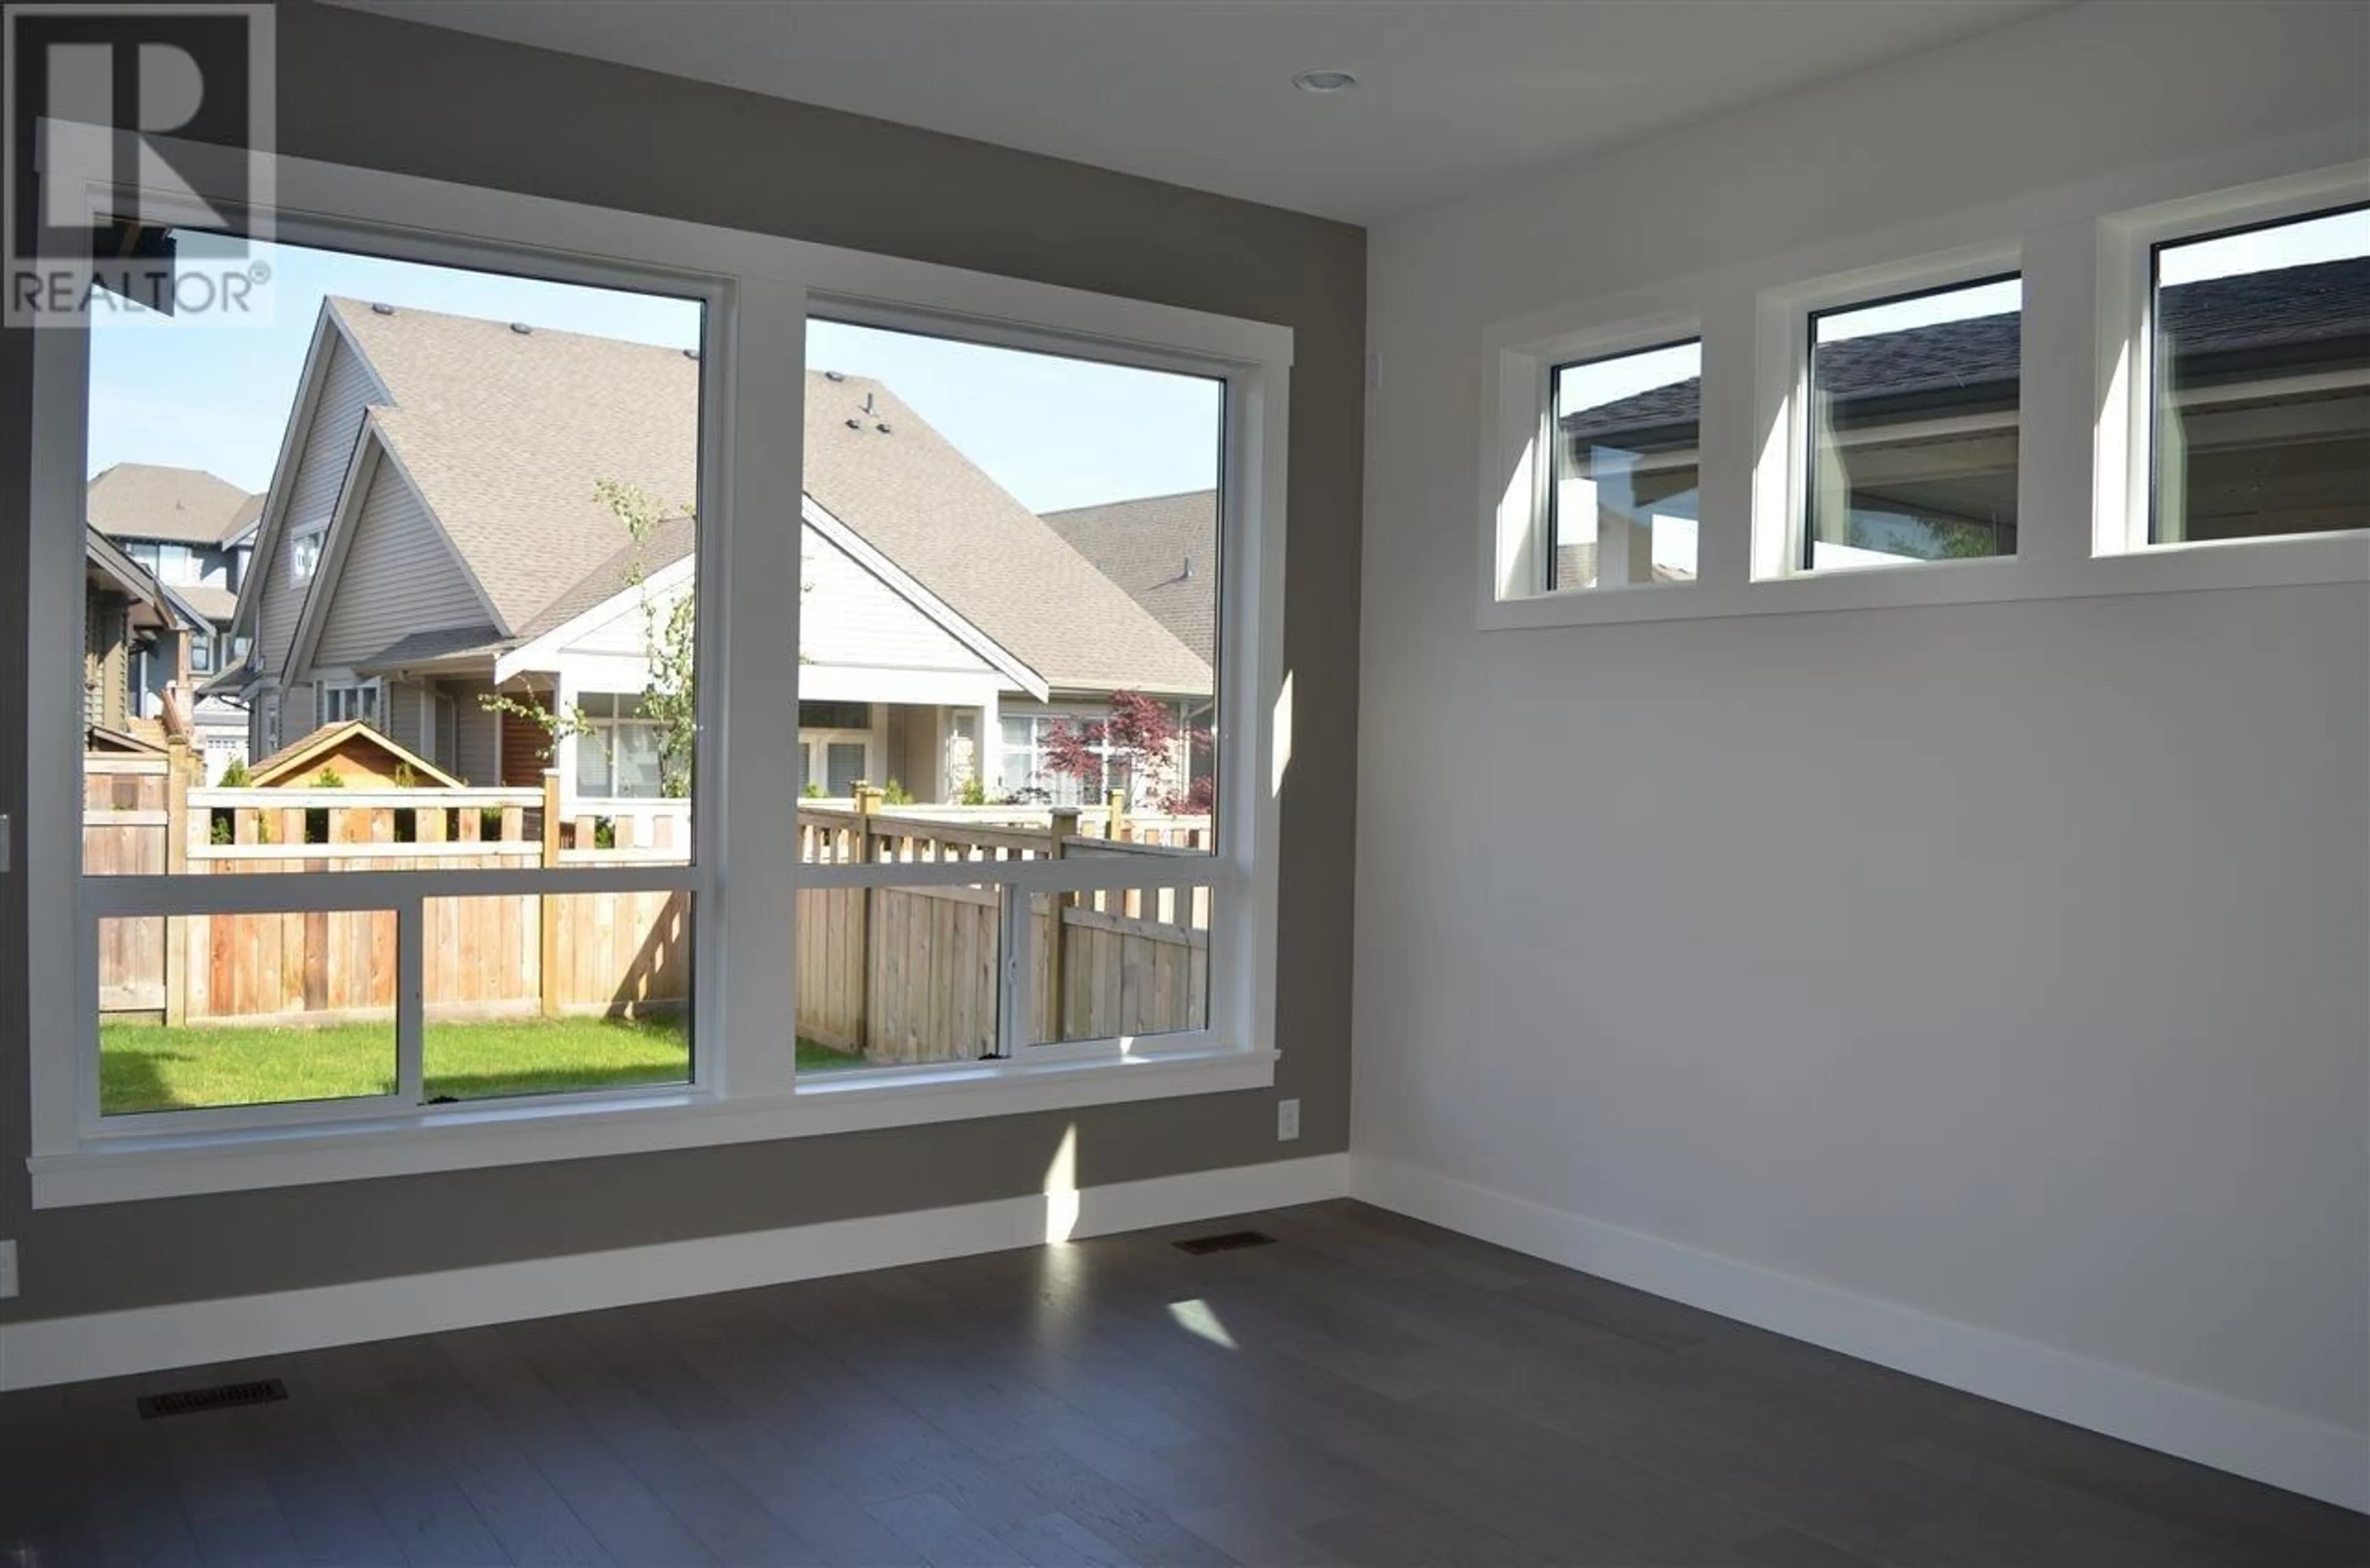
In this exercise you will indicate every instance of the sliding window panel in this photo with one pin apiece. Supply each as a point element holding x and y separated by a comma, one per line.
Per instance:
<point>551,994</point>
<point>899,975</point>
<point>1119,963</point>
<point>229,1011</point>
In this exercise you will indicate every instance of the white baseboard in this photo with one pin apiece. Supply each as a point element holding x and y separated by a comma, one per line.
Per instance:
<point>2284,1450</point>
<point>146,1339</point>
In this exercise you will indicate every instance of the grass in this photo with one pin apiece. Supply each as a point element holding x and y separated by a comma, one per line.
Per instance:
<point>146,1067</point>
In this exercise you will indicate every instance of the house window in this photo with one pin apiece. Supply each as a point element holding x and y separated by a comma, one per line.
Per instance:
<point>2261,397</point>
<point>304,556</point>
<point>1026,769</point>
<point>201,652</point>
<point>343,702</point>
<point>1913,427</point>
<point>620,753</point>
<point>1622,508</point>
<point>419,945</point>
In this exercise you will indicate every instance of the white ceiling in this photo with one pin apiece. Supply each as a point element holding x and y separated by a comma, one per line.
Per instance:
<point>1456,95</point>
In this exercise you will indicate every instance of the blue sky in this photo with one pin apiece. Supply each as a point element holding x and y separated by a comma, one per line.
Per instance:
<point>1056,432</point>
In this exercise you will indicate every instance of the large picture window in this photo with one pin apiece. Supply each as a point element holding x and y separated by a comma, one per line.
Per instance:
<point>498,447</point>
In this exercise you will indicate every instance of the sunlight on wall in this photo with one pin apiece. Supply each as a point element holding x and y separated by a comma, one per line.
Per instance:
<point>1062,1188</point>
<point>1514,554</point>
<point>1282,736</point>
<point>1195,1317</point>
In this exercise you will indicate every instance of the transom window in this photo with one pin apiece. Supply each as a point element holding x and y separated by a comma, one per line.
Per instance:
<point>1623,507</point>
<point>2262,404</point>
<point>1914,428</point>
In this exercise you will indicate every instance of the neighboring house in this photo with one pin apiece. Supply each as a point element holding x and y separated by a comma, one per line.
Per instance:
<point>432,536</point>
<point>132,625</point>
<point>358,755</point>
<point>193,532</point>
<point>1164,551</point>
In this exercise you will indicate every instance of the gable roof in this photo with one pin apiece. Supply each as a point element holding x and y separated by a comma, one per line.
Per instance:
<point>505,433</point>
<point>1164,551</point>
<point>145,500</point>
<point>292,760</point>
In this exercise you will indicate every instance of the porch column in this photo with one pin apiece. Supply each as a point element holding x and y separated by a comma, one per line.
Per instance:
<point>989,746</point>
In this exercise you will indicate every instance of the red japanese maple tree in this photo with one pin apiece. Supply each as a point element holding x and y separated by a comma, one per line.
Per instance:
<point>1140,736</point>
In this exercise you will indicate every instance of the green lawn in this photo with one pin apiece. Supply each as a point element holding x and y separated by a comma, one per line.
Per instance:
<point>145,1067</point>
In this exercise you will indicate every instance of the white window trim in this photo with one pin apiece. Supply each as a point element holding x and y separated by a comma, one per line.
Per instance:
<point>2082,493</point>
<point>319,533</point>
<point>758,289</point>
<point>323,686</point>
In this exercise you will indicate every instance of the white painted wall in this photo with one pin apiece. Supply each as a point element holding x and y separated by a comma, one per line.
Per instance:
<point>2001,962</point>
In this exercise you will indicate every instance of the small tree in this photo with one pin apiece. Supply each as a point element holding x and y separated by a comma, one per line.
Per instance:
<point>1136,748</point>
<point>235,775</point>
<point>328,778</point>
<point>669,641</point>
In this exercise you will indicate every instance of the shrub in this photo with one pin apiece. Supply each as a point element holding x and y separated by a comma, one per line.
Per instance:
<point>813,792</point>
<point>975,791</point>
<point>235,776</point>
<point>328,778</point>
<point>895,793</point>
<point>404,778</point>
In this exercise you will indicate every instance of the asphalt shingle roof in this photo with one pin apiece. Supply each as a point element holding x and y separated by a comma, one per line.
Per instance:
<point>506,432</point>
<point>2285,308</point>
<point>146,501</point>
<point>1164,551</point>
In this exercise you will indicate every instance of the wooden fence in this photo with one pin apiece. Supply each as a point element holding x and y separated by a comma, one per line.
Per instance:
<point>899,974</point>
<point>621,954</point>
<point>914,974</point>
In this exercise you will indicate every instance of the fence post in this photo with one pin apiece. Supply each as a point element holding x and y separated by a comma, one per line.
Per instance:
<point>547,962</point>
<point>176,862</point>
<point>1119,825</point>
<point>868,800</point>
<point>1065,827</point>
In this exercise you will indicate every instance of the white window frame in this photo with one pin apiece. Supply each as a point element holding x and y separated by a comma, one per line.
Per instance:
<point>2082,252</point>
<point>2127,308</point>
<point>369,693</point>
<point>302,564</point>
<point>758,290</point>
<point>816,745</point>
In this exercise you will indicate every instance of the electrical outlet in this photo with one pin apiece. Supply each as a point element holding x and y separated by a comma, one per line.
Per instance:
<point>1287,1120</point>
<point>7,1269</point>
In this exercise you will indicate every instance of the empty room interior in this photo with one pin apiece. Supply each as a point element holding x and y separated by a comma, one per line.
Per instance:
<point>1060,782</point>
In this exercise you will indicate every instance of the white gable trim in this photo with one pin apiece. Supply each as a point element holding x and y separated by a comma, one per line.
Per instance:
<point>269,525</point>
<point>908,587</point>
<point>543,652</point>
<point>371,453</point>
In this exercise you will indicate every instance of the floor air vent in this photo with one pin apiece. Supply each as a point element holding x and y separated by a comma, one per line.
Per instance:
<point>1229,1242</point>
<point>190,1401</point>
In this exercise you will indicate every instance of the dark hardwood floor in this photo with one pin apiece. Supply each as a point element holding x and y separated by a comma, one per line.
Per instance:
<point>1367,1390</point>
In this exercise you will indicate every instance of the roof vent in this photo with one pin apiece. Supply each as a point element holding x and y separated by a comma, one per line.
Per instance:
<point>691,353</point>
<point>835,375</point>
<point>382,310</point>
<point>883,426</point>
<point>855,424</point>
<point>868,402</point>
<point>522,328</point>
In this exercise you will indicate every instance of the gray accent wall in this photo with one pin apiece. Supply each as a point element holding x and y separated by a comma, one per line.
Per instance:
<point>526,121</point>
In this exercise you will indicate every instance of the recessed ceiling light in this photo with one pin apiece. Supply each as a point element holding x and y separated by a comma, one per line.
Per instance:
<point>1324,81</point>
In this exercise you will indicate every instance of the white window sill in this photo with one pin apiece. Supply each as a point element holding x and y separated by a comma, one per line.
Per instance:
<point>522,1132</point>
<point>2258,563</point>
